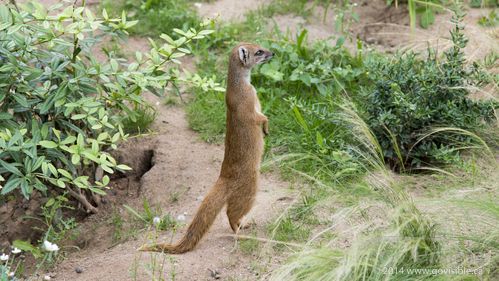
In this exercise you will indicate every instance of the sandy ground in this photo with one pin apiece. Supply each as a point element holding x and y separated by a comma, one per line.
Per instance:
<point>385,29</point>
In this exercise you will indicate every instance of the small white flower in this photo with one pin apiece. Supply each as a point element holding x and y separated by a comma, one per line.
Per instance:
<point>50,247</point>
<point>4,257</point>
<point>156,221</point>
<point>198,5</point>
<point>11,274</point>
<point>16,251</point>
<point>46,278</point>
<point>181,218</point>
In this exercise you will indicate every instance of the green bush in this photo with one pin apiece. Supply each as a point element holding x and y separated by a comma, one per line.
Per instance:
<point>412,96</point>
<point>61,108</point>
<point>300,93</point>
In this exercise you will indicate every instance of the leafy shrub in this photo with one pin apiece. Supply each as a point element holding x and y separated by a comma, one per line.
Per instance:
<point>156,16</point>
<point>62,109</point>
<point>413,95</point>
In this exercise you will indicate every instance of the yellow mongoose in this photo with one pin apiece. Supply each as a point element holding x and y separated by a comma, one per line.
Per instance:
<point>238,180</point>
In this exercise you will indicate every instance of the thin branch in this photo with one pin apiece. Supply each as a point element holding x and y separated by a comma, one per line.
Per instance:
<point>83,200</point>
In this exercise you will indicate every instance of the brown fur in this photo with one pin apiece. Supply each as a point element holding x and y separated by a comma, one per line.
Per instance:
<point>238,180</point>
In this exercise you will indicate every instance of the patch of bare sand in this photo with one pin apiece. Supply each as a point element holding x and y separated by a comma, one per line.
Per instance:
<point>228,10</point>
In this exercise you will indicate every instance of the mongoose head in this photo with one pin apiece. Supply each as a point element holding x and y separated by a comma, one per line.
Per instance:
<point>250,55</point>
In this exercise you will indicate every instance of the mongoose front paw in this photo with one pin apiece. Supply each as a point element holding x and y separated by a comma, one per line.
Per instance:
<point>265,131</point>
<point>265,128</point>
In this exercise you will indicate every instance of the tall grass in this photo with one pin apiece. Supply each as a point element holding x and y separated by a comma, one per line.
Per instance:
<point>409,241</point>
<point>412,241</point>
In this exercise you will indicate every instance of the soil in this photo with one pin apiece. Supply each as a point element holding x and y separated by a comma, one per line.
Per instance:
<point>174,169</point>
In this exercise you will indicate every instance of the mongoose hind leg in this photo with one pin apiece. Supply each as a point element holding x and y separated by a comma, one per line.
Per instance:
<point>237,208</point>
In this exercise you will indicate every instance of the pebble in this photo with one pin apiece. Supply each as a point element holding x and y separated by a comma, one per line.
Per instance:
<point>78,269</point>
<point>214,273</point>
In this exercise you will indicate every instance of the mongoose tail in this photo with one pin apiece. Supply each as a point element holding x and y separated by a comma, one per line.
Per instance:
<point>205,216</point>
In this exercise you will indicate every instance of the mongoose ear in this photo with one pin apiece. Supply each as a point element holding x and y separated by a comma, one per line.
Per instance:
<point>243,55</point>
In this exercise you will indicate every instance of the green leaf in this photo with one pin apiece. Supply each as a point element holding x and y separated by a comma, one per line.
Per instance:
<point>271,70</point>
<point>78,116</point>
<point>90,156</point>
<point>206,32</point>
<point>105,180</point>
<point>61,183</point>
<point>48,144</point>
<point>5,116</point>
<point>97,191</point>
<point>52,169</point>
<point>11,184</point>
<point>107,169</point>
<point>75,159</point>
<point>5,16</point>
<point>50,202</point>
<point>300,119</point>
<point>26,189</point>
<point>21,100</point>
<point>11,168</point>
<point>123,167</point>
<point>105,15</point>
<point>27,247</point>
<point>68,140</point>
<point>65,173</point>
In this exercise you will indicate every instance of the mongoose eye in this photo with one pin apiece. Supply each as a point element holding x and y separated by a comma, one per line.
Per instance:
<point>259,53</point>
